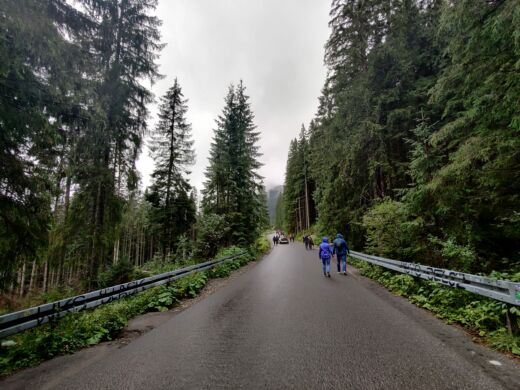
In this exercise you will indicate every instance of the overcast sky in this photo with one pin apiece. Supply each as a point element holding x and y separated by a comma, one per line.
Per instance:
<point>275,46</point>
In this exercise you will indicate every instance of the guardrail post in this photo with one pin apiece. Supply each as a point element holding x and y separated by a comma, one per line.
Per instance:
<point>512,321</point>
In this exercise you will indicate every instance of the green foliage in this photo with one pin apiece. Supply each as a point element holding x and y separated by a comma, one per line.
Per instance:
<point>225,269</point>
<point>415,149</point>
<point>172,151</point>
<point>168,295</point>
<point>389,231</point>
<point>233,188</point>
<point>299,210</point>
<point>479,314</point>
<point>83,329</point>
<point>35,70</point>
<point>118,273</point>
<point>261,246</point>
<point>212,230</point>
<point>57,293</point>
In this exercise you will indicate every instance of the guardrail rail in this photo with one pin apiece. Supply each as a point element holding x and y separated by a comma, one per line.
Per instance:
<point>19,321</point>
<point>501,290</point>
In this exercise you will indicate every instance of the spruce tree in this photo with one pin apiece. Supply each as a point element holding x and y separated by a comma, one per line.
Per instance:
<point>39,73</point>
<point>172,150</point>
<point>124,44</point>
<point>233,186</point>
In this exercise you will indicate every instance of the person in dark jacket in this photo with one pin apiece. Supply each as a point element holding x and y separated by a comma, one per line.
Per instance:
<point>340,249</point>
<point>311,242</point>
<point>306,241</point>
<point>325,254</point>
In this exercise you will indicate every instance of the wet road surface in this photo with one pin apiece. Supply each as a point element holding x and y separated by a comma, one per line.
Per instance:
<point>284,325</point>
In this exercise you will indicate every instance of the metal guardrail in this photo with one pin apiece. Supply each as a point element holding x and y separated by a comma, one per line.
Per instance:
<point>19,321</point>
<point>501,290</point>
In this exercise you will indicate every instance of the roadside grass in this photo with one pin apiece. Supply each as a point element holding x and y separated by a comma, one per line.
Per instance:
<point>80,330</point>
<point>481,316</point>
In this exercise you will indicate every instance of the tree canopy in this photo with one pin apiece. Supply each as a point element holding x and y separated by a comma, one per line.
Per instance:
<point>414,148</point>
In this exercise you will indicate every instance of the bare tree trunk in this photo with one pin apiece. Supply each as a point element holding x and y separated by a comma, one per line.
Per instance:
<point>22,279</point>
<point>52,275</point>
<point>115,259</point>
<point>300,222</point>
<point>71,273</point>
<point>33,273</point>
<point>67,197</point>
<point>45,275</point>
<point>59,276</point>
<point>151,247</point>
<point>143,247</point>
<point>137,250</point>
<point>307,215</point>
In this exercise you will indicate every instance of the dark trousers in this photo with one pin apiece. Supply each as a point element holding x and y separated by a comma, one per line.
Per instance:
<point>342,262</point>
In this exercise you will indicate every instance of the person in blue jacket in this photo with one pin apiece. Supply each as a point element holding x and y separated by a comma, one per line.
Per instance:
<point>340,249</point>
<point>325,254</point>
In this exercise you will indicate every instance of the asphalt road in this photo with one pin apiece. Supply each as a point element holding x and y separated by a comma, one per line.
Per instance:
<point>283,324</point>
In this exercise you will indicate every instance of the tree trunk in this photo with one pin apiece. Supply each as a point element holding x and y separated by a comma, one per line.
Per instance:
<point>67,197</point>
<point>307,216</point>
<point>115,260</point>
<point>45,275</point>
<point>22,279</point>
<point>151,247</point>
<point>33,273</point>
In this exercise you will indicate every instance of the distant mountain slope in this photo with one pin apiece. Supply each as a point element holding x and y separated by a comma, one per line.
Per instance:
<point>272,197</point>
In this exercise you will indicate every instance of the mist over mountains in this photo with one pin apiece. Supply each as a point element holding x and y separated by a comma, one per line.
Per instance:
<point>272,198</point>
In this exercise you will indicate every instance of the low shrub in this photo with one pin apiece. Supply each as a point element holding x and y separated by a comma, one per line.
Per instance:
<point>261,246</point>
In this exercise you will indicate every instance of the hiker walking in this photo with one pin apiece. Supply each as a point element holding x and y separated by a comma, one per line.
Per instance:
<point>325,254</point>
<point>306,241</point>
<point>310,242</point>
<point>340,249</point>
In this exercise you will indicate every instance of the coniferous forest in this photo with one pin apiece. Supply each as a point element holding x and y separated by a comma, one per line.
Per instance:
<point>414,151</point>
<point>74,115</point>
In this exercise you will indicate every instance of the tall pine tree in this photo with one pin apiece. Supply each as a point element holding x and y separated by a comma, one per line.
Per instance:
<point>172,150</point>
<point>233,187</point>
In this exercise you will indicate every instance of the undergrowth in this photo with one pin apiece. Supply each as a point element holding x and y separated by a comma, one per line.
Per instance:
<point>79,330</point>
<point>483,316</point>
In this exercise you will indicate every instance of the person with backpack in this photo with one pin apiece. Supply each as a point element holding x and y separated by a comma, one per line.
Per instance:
<point>325,254</point>
<point>306,241</point>
<point>340,249</point>
<point>310,241</point>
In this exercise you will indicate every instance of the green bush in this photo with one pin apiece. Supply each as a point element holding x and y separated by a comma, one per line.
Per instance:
<point>211,230</point>
<point>261,246</point>
<point>121,272</point>
<point>391,232</point>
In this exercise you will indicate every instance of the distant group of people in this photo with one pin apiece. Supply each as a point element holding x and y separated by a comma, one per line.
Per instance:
<point>308,241</point>
<point>278,235</point>
<point>327,251</point>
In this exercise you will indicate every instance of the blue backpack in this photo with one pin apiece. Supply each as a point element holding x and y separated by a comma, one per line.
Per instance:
<point>326,252</point>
